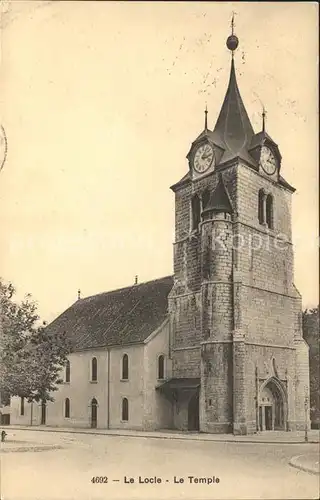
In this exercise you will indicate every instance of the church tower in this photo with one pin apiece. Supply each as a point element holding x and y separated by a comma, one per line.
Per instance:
<point>239,361</point>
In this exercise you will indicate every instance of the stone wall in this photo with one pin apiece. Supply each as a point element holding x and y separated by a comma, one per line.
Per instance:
<point>267,317</point>
<point>186,321</point>
<point>186,363</point>
<point>249,183</point>
<point>216,387</point>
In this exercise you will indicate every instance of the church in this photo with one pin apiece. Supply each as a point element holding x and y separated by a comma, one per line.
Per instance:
<point>218,346</point>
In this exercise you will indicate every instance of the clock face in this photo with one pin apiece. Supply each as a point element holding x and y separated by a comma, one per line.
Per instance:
<point>203,158</point>
<point>268,161</point>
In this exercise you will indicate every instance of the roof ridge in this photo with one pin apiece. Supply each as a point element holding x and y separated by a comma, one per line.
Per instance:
<point>123,288</point>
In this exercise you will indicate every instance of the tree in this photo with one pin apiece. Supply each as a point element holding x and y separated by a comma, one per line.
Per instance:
<point>310,326</point>
<point>30,359</point>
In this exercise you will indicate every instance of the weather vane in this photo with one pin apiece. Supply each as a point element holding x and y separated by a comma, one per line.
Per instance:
<point>264,113</point>
<point>206,118</point>
<point>232,40</point>
<point>232,23</point>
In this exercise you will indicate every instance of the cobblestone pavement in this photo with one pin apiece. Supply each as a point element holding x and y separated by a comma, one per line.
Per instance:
<point>153,469</point>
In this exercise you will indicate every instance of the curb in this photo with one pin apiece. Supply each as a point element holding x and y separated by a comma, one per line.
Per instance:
<point>294,462</point>
<point>177,437</point>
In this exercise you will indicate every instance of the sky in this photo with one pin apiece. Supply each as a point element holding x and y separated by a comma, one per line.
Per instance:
<point>100,102</point>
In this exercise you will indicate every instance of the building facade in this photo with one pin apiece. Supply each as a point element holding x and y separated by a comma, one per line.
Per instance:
<point>121,353</point>
<point>218,347</point>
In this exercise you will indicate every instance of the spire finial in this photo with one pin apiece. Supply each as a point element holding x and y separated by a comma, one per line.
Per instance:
<point>263,119</point>
<point>232,23</point>
<point>79,294</point>
<point>206,118</point>
<point>232,40</point>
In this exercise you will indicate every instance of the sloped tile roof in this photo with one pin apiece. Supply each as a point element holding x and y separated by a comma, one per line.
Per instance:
<point>124,316</point>
<point>233,127</point>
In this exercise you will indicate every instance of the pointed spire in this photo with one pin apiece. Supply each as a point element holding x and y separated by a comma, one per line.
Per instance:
<point>233,126</point>
<point>219,200</point>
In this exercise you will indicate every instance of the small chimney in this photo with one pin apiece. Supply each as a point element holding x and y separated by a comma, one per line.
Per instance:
<point>136,280</point>
<point>79,294</point>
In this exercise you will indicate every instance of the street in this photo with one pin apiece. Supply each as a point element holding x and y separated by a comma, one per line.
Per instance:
<point>114,467</point>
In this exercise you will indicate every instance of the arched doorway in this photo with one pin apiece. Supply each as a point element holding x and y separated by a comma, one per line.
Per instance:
<point>193,413</point>
<point>272,406</point>
<point>94,413</point>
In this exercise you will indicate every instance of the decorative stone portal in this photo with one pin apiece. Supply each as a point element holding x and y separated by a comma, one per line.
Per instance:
<point>272,406</point>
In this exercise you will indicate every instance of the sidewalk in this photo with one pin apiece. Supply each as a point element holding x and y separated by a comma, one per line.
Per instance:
<point>275,437</point>
<point>307,463</point>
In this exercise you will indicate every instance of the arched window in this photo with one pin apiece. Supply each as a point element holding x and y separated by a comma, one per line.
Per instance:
<point>196,209</point>
<point>125,410</point>
<point>94,413</point>
<point>67,408</point>
<point>161,367</point>
<point>125,367</point>
<point>205,198</point>
<point>68,371</point>
<point>22,406</point>
<point>261,207</point>
<point>269,211</point>
<point>94,370</point>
